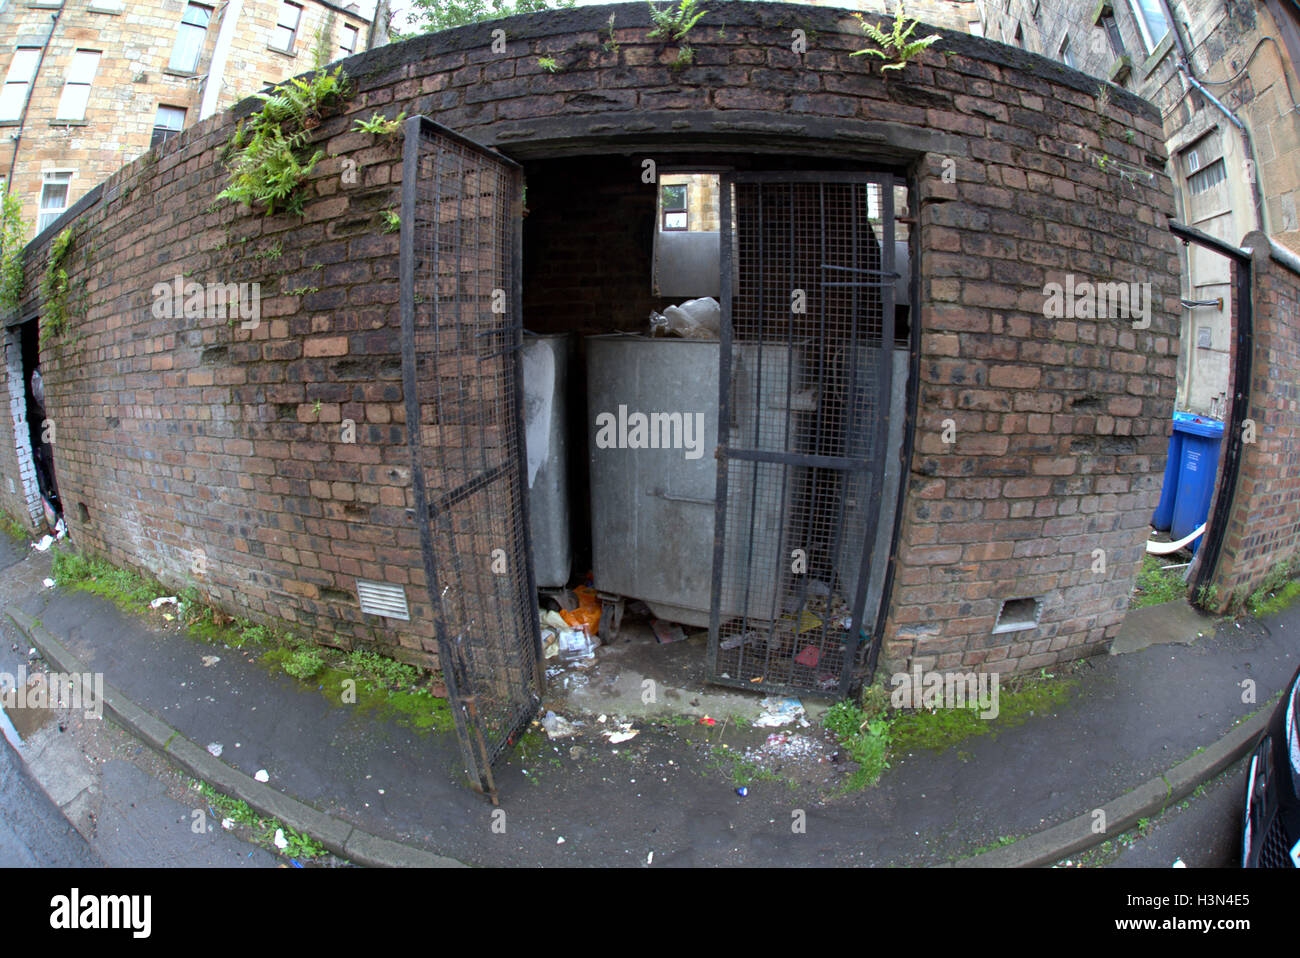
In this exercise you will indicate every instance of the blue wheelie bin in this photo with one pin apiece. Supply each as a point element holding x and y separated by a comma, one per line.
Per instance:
<point>1163,517</point>
<point>1198,465</point>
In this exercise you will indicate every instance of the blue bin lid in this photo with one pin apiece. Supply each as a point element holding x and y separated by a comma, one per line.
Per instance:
<point>1194,425</point>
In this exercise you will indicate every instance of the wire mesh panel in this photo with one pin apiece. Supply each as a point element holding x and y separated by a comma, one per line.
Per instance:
<point>808,329</point>
<point>461,337</point>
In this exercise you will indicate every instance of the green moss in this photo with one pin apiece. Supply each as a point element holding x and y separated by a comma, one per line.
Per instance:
<point>1018,701</point>
<point>415,707</point>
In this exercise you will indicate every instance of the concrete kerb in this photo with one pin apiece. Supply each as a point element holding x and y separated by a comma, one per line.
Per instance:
<point>334,833</point>
<point>1151,798</point>
<point>1043,848</point>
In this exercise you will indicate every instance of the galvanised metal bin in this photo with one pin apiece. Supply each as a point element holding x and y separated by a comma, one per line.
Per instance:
<point>652,509</point>
<point>546,370</point>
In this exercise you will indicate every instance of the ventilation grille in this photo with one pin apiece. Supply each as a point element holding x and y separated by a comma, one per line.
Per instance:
<point>381,598</point>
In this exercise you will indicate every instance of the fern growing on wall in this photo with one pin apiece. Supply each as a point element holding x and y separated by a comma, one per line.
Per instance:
<point>270,153</point>
<point>897,47</point>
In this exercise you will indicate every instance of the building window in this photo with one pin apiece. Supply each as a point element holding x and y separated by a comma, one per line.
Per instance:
<point>349,44</point>
<point>674,207</point>
<point>1206,176</point>
<point>1202,178</point>
<point>1066,56</point>
<point>1112,34</point>
<point>76,85</point>
<point>17,81</point>
<point>286,30</point>
<point>1151,22</point>
<point>54,198</point>
<point>1020,36</point>
<point>189,38</point>
<point>169,121</point>
<point>1037,13</point>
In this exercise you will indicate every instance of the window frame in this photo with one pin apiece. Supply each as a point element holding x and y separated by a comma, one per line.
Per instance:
<point>356,39</point>
<point>1110,25</point>
<point>25,84</point>
<point>684,209</point>
<point>1138,10</point>
<point>72,85</point>
<point>1063,52</point>
<point>48,178</point>
<point>281,25</point>
<point>166,132</point>
<point>186,29</point>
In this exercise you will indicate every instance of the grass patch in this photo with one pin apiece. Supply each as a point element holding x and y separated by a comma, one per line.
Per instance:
<point>366,680</point>
<point>301,847</point>
<point>865,735</point>
<point>741,770</point>
<point>1276,592</point>
<point>14,528</point>
<point>1155,585</point>
<point>125,588</point>
<point>1002,841</point>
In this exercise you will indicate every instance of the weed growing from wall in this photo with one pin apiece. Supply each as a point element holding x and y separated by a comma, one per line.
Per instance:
<point>55,286</point>
<point>379,125</point>
<point>675,23</point>
<point>897,47</point>
<point>13,234</point>
<point>1127,172</point>
<point>270,159</point>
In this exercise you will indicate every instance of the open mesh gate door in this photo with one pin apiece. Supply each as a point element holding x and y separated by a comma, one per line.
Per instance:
<point>461,336</point>
<point>807,333</point>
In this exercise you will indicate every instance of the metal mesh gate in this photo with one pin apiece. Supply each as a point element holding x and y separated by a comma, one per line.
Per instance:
<point>808,329</point>
<point>461,336</point>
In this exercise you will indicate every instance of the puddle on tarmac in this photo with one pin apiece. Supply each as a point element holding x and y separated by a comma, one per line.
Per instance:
<point>28,720</point>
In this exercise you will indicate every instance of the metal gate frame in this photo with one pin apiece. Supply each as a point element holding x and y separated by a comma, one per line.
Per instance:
<point>873,467</point>
<point>494,669</point>
<point>1207,557</point>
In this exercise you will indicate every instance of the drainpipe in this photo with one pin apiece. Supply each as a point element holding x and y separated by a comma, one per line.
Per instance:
<point>217,68</point>
<point>1185,68</point>
<point>379,25</point>
<point>31,88</point>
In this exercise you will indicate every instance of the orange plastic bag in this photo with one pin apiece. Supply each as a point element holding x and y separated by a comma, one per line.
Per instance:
<point>587,615</point>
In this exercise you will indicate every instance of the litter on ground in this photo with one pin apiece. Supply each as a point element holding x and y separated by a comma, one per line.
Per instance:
<point>781,711</point>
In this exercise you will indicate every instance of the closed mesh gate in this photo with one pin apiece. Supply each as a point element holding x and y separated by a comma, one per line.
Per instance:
<point>808,329</point>
<point>461,336</point>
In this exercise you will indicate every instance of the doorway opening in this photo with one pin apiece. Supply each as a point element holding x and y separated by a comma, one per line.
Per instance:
<point>736,476</point>
<point>34,432</point>
<point>761,567</point>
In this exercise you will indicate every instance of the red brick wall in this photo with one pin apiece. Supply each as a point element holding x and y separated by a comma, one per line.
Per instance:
<point>193,434</point>
<point>1263,529</point>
